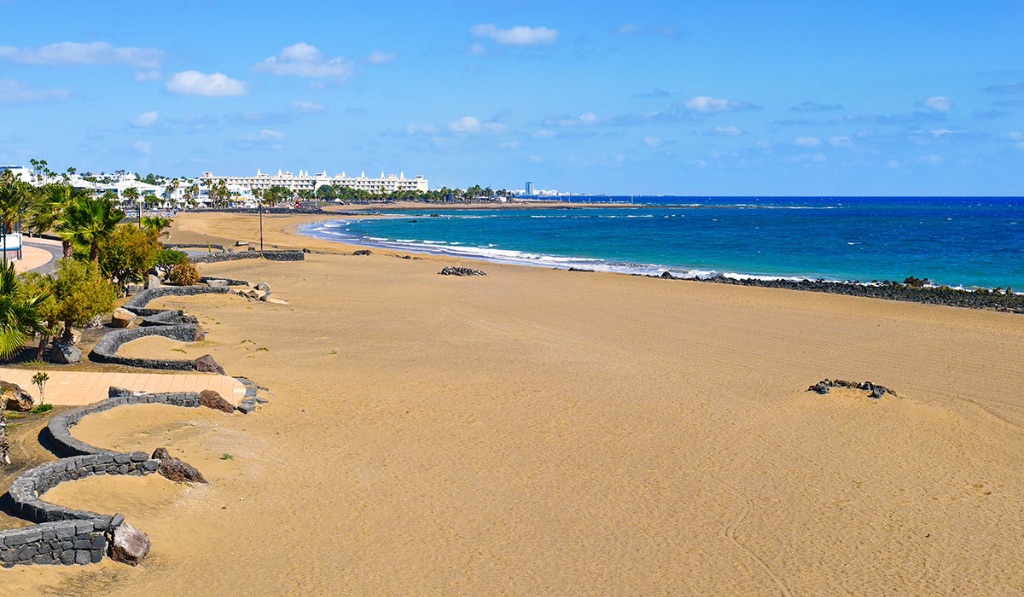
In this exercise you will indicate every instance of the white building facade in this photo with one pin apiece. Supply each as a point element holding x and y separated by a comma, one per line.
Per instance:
<point>304,181</point>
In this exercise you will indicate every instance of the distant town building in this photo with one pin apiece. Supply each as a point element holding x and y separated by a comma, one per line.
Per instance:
<point>305,181</point>
<point>529,189</point>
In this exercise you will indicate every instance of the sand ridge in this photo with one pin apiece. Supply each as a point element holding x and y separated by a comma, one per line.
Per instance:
<point>549,432</point>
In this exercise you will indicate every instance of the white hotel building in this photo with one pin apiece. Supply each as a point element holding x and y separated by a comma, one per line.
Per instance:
<point>305,181</point>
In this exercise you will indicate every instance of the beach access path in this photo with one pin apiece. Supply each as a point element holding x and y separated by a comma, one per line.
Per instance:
<point>77,388</point>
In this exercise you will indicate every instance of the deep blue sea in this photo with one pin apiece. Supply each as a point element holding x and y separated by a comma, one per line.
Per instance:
<point>955,241</point>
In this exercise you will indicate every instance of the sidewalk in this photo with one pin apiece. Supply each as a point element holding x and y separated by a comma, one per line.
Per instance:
<point>75,388</point>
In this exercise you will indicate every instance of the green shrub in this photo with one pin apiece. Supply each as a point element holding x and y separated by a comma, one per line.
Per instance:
<point>127,254</point>
<point>183,274</point>
<point>166,257</point>
<point>42,408</point>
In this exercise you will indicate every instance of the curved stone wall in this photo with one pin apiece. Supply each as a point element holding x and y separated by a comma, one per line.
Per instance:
<point>137,303</point>
<point>65,535</point>
<point>106,349</point>
<point>268,255</point>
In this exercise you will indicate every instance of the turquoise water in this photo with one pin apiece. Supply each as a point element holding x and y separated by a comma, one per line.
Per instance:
<point>970,242</point>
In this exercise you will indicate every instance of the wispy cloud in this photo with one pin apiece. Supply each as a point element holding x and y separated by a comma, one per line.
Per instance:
<point>587,119</point>
<point>471,125</point>
<point>264,139</point>
<point>142,147</point>
<point>382,57</point>
<point>938,103</point>
<point>655,30</point>
<point>704,104</point>
<point>146,119</point>
<point>17,92</point>
<point>516,36</point>
<point>420,128</point>
<point>810,106</point>
<point>990,114</point>
<point>305,60</point>
<point>655,94</point>
<point>724,131</point>
<point>807,142</point>
<point>1006,89</point>
<point>305,107</point>
<point>69,53</point>
<point>191,82</point>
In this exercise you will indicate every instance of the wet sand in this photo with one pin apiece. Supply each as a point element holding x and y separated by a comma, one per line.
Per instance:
<point>549,432</point>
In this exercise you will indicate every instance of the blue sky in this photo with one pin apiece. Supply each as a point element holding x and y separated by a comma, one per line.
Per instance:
<point>691,98</point>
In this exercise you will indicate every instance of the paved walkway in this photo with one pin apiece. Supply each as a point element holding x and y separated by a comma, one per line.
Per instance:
<point>74,388</point>
<point>39,254</point>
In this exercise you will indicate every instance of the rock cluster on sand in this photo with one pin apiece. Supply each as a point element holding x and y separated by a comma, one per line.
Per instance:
<point>129,545</point>
<point>461,271</point>
<point>206,364</point>
<point>121,318</point>
<point>13,397</point>
<point>175,469</point>
<point>211,399</point>
<point>877,391</point>
<point>363,252</point>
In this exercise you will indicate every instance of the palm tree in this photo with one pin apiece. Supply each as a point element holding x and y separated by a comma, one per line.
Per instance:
<point>88,221</point>
<point>13,197</point>
<point>48,211</point>
<point>19,316</point>
<point>156,224</point>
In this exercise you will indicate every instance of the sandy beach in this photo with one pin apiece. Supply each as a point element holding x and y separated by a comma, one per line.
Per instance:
<point>542,432</point>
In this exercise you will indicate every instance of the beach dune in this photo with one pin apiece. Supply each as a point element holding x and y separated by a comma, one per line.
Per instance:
<point>551,432</point>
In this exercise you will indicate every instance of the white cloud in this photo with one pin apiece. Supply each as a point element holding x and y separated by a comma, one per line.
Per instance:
<point>192,82</point>
<point>706,105</point>
<point>841,142</point>
<point>517,36</point>
<point>587,119</point>
<point>304,107</point>
<point>417,128</point>
<point>16,91</point>
<point>146,119</point>
<point>807,142</point>
<point>82,54</point>
<point>469,124</point>
<point>382,57</point>
<point>930,160</point>
<point>304,60</point>
<point>939,103</point>
<point>544,134</point>
<point>653,141</point>
<point>636,29</point>
<point>726,131</point>
<point>142,147</point>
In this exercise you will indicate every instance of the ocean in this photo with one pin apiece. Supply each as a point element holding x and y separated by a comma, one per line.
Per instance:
<point>963,242</point>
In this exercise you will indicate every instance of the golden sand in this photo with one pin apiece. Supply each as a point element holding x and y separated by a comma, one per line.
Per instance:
<point>547,432</point>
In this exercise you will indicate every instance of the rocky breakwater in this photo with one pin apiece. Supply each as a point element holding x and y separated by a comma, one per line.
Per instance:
<point>910,290</point>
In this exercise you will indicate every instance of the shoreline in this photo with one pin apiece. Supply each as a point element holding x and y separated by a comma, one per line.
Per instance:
<point>921,292</point>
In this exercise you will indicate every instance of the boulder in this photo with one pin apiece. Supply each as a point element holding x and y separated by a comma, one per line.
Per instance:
<point>121,318</point>
<point>153,281</point>
<point>217,283</point>
<point>363,252</point>
<point>241,243</point>
<point>176,470</point>
<point>206,364</point>
<point>247,406</point>
<point>211,399</point>
<point>129,545</point>
<point>461,271</point>
<point>65,353</point>
<point>14,398</point>
<point>266,295</point>
<point>263,286</point>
